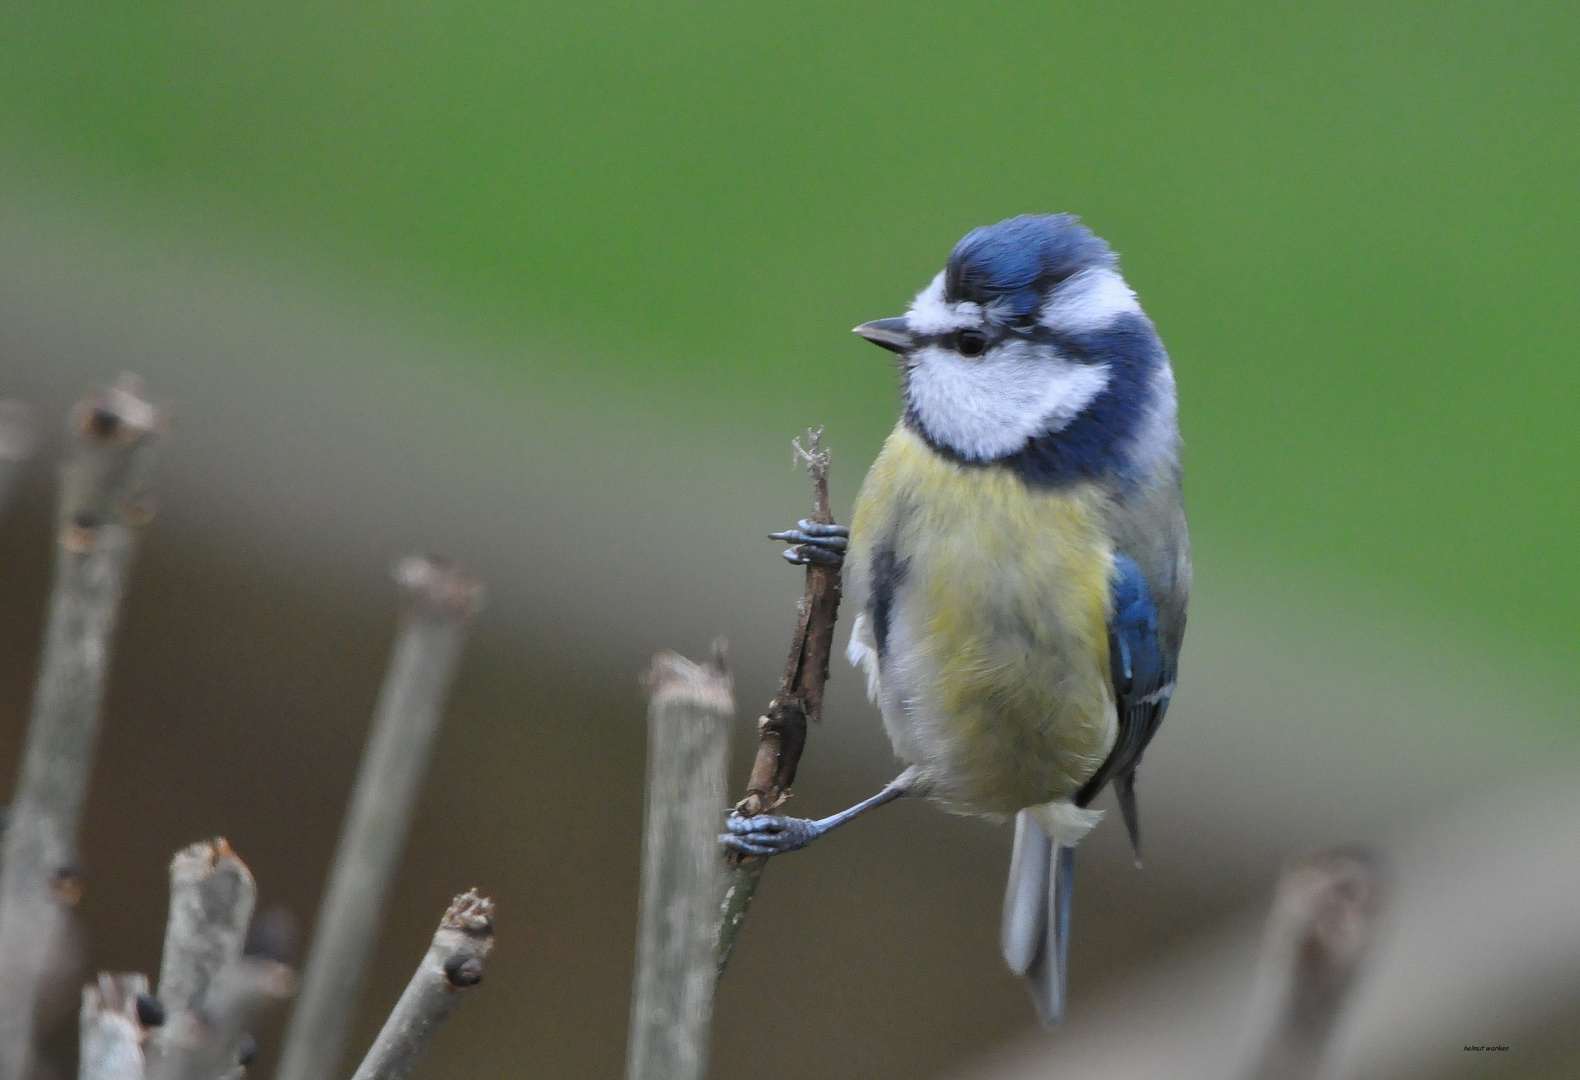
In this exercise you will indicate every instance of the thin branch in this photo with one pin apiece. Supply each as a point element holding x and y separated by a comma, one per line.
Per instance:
<point>453,963</point>
<point>110,1035</point>
<point>740,886</point>
<point>210,991</point>
<point>212,895</point>
<point>204,1044</point>
<point>1320,928</point>
<point>104,495</point>
<point>690,707</point>
<point>440,604</point>
<point>782,730</point>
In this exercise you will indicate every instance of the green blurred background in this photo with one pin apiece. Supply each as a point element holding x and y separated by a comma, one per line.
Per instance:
<point>644,232</point>
<point>1355,224</point>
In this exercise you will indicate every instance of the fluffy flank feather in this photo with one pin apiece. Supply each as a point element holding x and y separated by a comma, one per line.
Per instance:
<point>862,652</point>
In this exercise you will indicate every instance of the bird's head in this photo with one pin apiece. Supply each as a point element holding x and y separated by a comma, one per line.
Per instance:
<point>1017,337</point>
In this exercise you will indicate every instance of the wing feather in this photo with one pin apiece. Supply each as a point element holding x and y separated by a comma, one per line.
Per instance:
<point>1143,681</point>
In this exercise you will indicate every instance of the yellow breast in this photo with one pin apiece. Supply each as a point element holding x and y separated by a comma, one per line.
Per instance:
<point>995,679</point>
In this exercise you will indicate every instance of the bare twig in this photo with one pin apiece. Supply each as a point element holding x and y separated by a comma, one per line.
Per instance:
<point>110,1036</point>
<point>212,895</point>
<point>204,1044</point>
<point>440,604</point>
<point>739,888</point>
<point>782,731</point>
<point>690,707</point>
<point>1321,924</point>
<point>454,962</point>
<point>104,494</point>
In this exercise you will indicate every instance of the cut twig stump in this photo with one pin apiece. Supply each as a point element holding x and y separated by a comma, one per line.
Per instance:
<point>690,709</point>
<point>212,895</point>
<point>453,964</point>
<point>440,603</point>
<point>111,1030</point>
<point>105,494</point>
<point>218,970</point>
<point>782,729</point>
<point>210,989</point>
<point>1318,933</point>
<point>209,1043</point>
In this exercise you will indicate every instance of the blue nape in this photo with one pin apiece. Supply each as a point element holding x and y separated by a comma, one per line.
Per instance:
<point>1099,442</point>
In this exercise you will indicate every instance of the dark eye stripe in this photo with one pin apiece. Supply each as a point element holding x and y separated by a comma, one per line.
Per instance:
<point>987,336</point>
<point>1069,346</point>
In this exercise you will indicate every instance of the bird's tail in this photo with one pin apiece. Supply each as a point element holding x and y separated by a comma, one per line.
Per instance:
<point>1036,930</point>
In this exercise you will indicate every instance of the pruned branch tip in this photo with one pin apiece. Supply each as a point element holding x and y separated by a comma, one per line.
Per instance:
<point>453,963</point>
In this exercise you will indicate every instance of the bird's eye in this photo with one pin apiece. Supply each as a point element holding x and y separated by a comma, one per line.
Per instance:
<point>971,343</point>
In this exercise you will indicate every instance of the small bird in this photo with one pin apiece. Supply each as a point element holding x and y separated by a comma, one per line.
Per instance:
<point>1022,561</point>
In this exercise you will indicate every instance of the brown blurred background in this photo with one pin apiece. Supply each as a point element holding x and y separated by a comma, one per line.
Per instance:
<point>259,622</point>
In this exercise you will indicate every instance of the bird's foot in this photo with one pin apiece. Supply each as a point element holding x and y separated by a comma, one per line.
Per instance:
<point>814,543</point>
<point>769,834</point>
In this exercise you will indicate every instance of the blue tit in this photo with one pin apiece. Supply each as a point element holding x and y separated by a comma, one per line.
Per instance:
<point>1021,560</point>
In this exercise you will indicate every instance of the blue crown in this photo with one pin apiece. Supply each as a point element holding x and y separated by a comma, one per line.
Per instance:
<point>1013,265</point>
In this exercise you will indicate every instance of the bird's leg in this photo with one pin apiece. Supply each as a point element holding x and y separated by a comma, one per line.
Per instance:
<point>813,542</point>
<point>772,834</point>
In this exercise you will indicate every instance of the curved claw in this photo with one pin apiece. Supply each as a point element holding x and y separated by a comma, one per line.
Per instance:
<point>814,542</point>
<point>805,554</point>
<point>768,834</point>
<point>745,846</point>
<point>796,536</point>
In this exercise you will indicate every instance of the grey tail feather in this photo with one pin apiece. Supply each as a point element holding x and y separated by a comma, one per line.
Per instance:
<point>1125,792</point>
<point>1036,932</point>
<point>1026,899</point>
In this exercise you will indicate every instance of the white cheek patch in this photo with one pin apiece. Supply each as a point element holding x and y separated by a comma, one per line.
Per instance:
<point>988,407</point>
<point>1089,300</point>
<point>930,313</point>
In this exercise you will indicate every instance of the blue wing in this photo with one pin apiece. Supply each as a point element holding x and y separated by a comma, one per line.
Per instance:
<point>1143,681</point>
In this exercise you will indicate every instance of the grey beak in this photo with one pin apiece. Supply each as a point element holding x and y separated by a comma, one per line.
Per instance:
<point>891,334</point>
